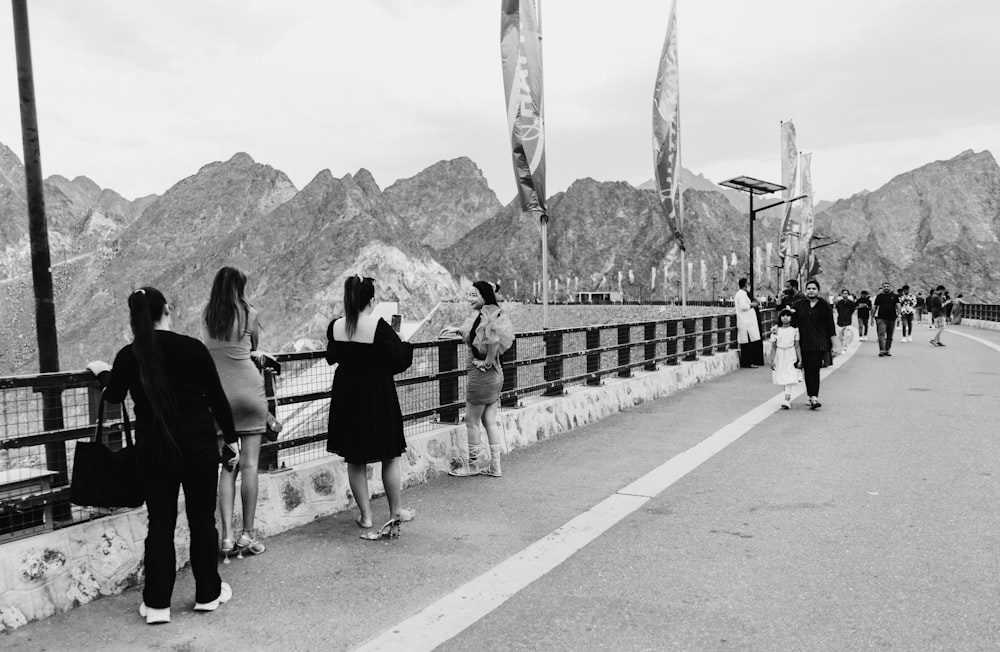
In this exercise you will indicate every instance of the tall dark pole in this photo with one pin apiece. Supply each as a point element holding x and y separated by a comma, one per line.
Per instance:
<point>752,293</point>
<point>41,272</point>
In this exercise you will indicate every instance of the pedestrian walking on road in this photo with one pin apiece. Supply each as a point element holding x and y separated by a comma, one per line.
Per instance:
<point>907,309</point>
<point>786,358</point>
<point>957,308</point>
<point>919,308</point>
<point>366,423</point>
<point>864,310</point>
<point>885,309</point>
<point>936,306</point>
<point>489,334</point>
<point>232,332</point>
<point>817,337</point>
<point>748,328</point>
<point>845,317</point>
<point>178,400</point>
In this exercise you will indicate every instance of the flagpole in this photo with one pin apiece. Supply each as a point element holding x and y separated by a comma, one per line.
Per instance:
<point>680,215</point>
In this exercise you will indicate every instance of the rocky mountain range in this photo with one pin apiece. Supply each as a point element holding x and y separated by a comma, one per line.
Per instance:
<point>424,236</point>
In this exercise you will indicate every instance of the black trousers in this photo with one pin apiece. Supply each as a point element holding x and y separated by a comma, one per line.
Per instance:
<point>198,472</point>
<point>752,353</point>
<point>907,321</point>
<point>812,362</point>
<point>863,325</point>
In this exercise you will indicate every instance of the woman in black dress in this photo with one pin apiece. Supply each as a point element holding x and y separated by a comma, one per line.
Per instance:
<point>366,423</point>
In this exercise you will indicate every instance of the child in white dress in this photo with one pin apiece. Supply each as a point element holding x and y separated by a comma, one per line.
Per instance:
<point>786,356</point>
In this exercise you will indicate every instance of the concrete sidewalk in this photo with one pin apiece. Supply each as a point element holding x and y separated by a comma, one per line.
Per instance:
<point>321,587</point>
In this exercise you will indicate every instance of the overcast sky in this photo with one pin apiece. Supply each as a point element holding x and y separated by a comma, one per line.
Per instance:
<point>138,94</point>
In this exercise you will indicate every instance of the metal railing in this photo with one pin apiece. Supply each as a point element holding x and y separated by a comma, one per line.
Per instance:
<point>982,311</point>
<point>45,415</point>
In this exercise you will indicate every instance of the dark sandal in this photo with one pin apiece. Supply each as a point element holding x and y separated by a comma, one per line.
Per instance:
<point>388,531</point>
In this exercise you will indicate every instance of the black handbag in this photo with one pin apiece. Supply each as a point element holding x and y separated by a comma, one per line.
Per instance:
<point>103,477</point>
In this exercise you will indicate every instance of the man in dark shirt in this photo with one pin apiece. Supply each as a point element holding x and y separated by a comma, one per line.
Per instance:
<point>885,318</point>
<point>935,304</point>
<point>864,308</point>
<point>845,316</point>
<point>789,299</point>
<point>817,337</point>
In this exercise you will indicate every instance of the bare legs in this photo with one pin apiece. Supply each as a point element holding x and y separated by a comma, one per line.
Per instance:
<point>477,419</point>
<point>392,481</point>
<point>249,458</point>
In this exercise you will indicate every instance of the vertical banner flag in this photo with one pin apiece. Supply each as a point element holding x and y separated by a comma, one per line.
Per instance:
<point>725,268</point>
<point>521,57</point>
<point>768,250</point>
<point>690,278</point>
<point>756,262</point>
<point>652,278</point>
<point>666,130</point>
<point>789,176</point>
<point>806,219</point>
<point>704,275</point>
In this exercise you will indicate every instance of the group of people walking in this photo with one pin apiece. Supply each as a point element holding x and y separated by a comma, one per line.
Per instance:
<point>199,403</point>
<point>804,338</point>
<point>808,335</point>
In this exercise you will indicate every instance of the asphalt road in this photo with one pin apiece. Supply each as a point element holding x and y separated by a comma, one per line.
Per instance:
<point>869,524</point>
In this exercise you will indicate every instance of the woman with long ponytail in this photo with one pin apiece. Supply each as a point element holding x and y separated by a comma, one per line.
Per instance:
<point>178,398</point>
<point>366,423</point>
<point>232,328</point>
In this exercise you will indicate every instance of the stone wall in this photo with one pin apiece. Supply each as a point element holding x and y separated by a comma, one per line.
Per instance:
<point>59,570</point>
<point>981,323</point>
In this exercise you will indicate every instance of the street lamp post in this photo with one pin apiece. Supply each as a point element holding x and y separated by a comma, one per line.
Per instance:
<point>757,187</point>
<point>713,290</point>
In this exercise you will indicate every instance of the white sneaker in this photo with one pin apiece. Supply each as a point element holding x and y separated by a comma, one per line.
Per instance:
<point>154,616</point>
<point>225,593</point>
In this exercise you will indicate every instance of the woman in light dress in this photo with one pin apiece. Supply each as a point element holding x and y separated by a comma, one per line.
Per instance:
<point>232,331</point>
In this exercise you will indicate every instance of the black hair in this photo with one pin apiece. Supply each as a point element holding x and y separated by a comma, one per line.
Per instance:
<point>793,283</point>
<point>147,305</point>
<point>358,293</point>
<point>786,311</point>
<point>742,282</point>
<point>487,290</point>
<point>814,282</point>
<point>227,314</point>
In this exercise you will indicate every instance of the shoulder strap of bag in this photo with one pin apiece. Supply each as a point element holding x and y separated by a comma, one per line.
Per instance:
<point>126,423</point>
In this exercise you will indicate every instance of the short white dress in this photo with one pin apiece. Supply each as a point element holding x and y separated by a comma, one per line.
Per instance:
<point>783,343</point>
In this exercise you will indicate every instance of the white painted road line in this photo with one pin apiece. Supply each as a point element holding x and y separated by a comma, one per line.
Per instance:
<point>974,339</point>
<point>472,601</point>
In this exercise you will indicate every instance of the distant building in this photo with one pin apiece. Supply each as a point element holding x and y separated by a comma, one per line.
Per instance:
<point>599,297</point>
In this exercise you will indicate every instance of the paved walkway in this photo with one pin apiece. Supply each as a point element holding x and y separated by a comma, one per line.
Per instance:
<point>871,523</point>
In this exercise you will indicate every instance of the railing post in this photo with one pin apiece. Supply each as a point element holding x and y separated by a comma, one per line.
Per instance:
<point>721,339</point>
<point>690,341</point>
<point>508,359</point>
<point>624,351</point>
<point>733,333</point>
<point>650,349</point>
<point>553,371</point>
<point>268,460</point>
<point>448,387</point>
<point>706,338</point>
<point>672,342</point>
<point>55,452</point>
<point>594,359</point>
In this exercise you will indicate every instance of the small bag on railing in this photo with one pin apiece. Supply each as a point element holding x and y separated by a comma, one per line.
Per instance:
<point>273,428</point>
<point>103,477</point>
